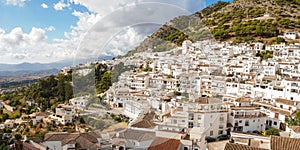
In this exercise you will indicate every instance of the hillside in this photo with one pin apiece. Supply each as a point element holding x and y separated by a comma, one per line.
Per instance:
<point>239,21</point>
<point>247,20</point>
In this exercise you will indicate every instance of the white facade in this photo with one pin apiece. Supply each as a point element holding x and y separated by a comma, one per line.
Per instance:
<point>290,35</point>
<point>79,101</point>
<point>210,116</point>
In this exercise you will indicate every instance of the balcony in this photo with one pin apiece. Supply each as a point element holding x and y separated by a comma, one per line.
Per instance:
<point>250,116</point>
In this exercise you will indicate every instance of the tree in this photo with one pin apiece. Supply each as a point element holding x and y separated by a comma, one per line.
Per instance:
<point>18,136</point>
<point>105,82</point>
<point>280,40</point>
<point>4,116</point>
<point>61,88</point>
<point>272,131</point>
<point>68,91</point>
<point>293,121</point>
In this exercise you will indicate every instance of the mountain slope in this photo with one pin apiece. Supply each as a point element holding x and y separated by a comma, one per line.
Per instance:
<point>245,20</point>
<point>239,21</point>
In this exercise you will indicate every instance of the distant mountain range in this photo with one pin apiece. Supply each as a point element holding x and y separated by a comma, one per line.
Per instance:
<point>31,66</point>
<point>32,69</point>
<point>6,69</point>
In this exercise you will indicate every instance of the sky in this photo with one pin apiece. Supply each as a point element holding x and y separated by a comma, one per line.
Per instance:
<point>48,31</point>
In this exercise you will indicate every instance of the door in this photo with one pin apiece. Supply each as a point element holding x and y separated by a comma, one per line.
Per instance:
<point>282,126</point>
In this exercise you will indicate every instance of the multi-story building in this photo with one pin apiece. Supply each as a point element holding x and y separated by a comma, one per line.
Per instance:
<point>65,114</point>
<point>207,113</point>
<point>246,118</point>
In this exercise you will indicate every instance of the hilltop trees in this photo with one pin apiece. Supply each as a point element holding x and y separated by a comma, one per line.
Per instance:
<point>46,92</point>
<point>293,121</point>
<point>102,78</point>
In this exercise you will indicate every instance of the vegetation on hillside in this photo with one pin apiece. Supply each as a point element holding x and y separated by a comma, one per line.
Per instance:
<point>245,19</point>
<point>45,93</point>
<point>239,21</point>
<point>213,8</point>
<point>293,121</point>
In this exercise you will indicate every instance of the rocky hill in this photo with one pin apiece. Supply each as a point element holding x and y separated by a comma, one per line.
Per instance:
<point>248,20</point>
<point>239,21</point>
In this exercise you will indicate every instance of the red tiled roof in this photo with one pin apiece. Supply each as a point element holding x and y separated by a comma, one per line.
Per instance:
<point>281,111</point>
<point>146,121</point>
<point>285,101</point>
<point>296,129</point>
<point>27,146</point>
<point>164,144</point>
<point>284,143</point>
<point>82,140</point>
<point>231,146</point>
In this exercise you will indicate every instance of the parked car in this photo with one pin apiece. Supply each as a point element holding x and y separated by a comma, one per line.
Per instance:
<point>256,132</point>
<point>223,137</point>
<point>210,139</point>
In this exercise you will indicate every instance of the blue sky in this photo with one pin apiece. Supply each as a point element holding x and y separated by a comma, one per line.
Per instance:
<point>32,14</point>
<point>47,31</point>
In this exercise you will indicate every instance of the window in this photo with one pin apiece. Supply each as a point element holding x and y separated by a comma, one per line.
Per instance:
<point>220,132</point>
<point>221,118</point>
<point>241,121</point>
<point>191,124</point>
<point>211,133</point>
<point>275,123</point>
<point>253,120</point>
<point>175,121</point>
<point>199,117</point>
<point>186,148</point>
<point>191,116</point>
<point>247,123</point>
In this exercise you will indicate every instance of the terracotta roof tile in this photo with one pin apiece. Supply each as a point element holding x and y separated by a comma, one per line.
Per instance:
<point>164,144</point>
<point>283,143</point>
<point>137,135</point>
<point>230,146</point>
<point>82,140</point>
<point>285,101</point>
<point>296,129</point>
<point>281,111</point>
<point>146,121</point>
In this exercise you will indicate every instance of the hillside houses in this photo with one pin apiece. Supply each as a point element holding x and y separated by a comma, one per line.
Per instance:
<point>256,93</point>
<point>64,114</point>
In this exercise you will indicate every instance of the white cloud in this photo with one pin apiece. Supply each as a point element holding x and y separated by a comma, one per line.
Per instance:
<point>37,35</point>
<point>17,46</point>
<point>86,20</point>
<point>103,7</point>
<point>15,2</point>
<point>50,28</point>
<point>61,5</point>
<point>2,31</point>
<point>123,29</point>
<point>44,5</point>
<point>109,28</point>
